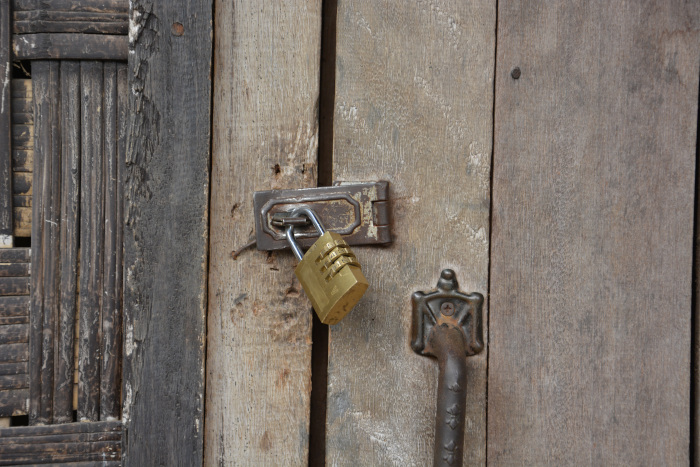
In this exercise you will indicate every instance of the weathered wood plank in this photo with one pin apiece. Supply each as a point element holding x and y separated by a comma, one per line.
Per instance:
<point>14,269</point>
<point>22,160</point>
<point>21,88</point>
<point>70,230</point>
<point>22,221</point>
<point>14,285</point>
<point>14,306</point>
<point>111,311</point>
<point>14,434</point>
<point>22,183</point>
<point>14,353</point>
<point>15,368</point>
<point>15,255</point>
<point>92,239</point>
<point>166,232</point>
<point>592,233</point>
<point>51,14</point>
<point>414,97</point>
<point>14,334</point>
<point>106,6</point>
<point>14,320</point>
<point>259,340</point>
<point>19,381</point>
<point>22,136</point>
<point>6,223</point>
<point>13,402</point>
<point>48,143</point>
<point>60,46</point>
<point>76,27</point>
<point>22,201</point>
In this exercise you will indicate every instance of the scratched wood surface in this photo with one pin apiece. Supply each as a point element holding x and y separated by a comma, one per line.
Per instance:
<point>265,137</point>
<point>166,231</point>
<point>414,97</point>
<point>592,239</point>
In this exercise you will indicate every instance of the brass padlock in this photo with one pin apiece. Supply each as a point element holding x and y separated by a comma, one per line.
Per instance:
<point>328,272</point>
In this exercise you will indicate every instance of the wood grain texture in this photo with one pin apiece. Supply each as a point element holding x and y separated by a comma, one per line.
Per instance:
<point>5,121</point>
<point>166,232</point>
<point>103,6</point>
<point>68,46</point>
<point>69,235</point>
<point>92,232</point>
<point>71,442</point>
<point>13,402</point>
<point>592,238</point>
<point>15,255</point>
<point>265,137</point>
<point>414,96</point>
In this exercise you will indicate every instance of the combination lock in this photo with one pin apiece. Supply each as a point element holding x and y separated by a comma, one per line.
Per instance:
<point>329,272</point>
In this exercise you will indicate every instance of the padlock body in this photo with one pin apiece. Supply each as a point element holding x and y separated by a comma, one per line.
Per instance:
<point>331,277</point>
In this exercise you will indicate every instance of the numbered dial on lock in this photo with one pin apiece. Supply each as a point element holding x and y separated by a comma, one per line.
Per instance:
<point>329,272</point>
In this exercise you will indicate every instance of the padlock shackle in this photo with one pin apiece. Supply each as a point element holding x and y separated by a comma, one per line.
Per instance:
<point>290,229</point>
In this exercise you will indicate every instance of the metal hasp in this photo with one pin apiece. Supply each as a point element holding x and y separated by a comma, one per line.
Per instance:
<point>357,211</point>
<point>447,326</point>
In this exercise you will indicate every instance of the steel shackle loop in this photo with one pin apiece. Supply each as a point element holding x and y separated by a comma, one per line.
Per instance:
<point>289,232</point>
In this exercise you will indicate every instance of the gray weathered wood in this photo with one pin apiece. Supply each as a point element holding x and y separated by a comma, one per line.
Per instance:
<point>15,255</point>
<point>265,137</point>
<point>5,126</point>
<point>69,232</point>
<point>14,285</point>
<point>110,351</point>
<point>104,6</point>
<point>13,402</point>
<point>68,46</point>
<point>166,232</point>
<point>91,239</point>
<point>414,96</point>
<point>593,179</point>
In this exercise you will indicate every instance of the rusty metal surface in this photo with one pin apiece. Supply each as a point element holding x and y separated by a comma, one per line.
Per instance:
<point>358,211</point>
<point>447,325</point>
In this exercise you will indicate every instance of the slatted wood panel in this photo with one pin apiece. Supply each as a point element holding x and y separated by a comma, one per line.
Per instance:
<point>22,141</point>
<point>413,105</point>
<point>265,136</point>
<point>84,444</point>
<point>594,161</point>
<point>78,117</point>
<point>14,335</point>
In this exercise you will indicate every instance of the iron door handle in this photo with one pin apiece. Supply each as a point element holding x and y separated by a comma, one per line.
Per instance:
<point>447,325</point>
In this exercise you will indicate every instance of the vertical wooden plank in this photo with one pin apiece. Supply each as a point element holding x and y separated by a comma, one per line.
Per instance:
<point>123,110</point>
<point>5,126</point>
<point>44,94</point>
<point>92,239</point>
<point>265,136</point>
<point>414,97</point>
<point>111,335</point>
<point>70,230</point>
<point>50,237</point>
<point>166,231</point>
<point>593,178</point>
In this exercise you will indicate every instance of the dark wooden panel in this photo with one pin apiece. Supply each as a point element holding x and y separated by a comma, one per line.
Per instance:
<point>51,14</point>
<point>79,27</point>
<point>111,304</point>
<point>14,285</point>
<point>18,381</point>
<point>21,88</point>
<point>22,221</point>
<point>14,306</point>
<point>15,434</point>
<point>47,46</point>
<point>14,269</point>
<point>22,201</point>
<point>15,255</point>
<point>14,319</point>
<point>593,178</point>
<point>13,402</point>
<point>14,333</point>
<point>22,160</point>
<point>92,239</point>
<point>22,183</point>
<point>165,238</point>
<point>13,368</point>
<point>22,136</point>
<point>14,353</point>
<point>6,223</point>
<point>70,230</point>
<point>72,5</point>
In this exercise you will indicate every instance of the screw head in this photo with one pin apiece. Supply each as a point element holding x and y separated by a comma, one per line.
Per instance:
<point>515,73</point>
<point>447,308</point>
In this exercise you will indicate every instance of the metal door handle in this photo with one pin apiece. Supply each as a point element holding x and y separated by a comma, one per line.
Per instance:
<point>447,326</point>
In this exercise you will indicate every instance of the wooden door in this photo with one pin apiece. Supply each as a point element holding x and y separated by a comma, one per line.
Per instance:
<point>545,152</point>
